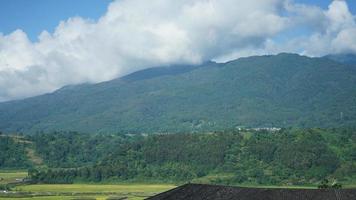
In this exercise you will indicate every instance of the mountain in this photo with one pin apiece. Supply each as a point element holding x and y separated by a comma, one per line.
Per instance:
<point>261,91</point>
<point>343,58</point>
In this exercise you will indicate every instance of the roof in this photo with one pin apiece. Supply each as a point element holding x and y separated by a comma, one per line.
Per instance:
<point>214,192</point>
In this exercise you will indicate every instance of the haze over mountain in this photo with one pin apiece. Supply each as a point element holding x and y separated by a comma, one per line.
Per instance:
<point>260,91</point>
<point>343,58</point>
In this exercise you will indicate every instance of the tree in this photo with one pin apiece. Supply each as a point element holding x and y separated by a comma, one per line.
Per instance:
<point>324,184</point>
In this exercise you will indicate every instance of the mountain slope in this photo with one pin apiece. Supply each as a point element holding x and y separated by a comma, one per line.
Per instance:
<point>261,91</point>
<point>343,58</point>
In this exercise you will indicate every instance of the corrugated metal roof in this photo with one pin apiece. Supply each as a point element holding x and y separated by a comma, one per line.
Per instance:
<point>214,192</point>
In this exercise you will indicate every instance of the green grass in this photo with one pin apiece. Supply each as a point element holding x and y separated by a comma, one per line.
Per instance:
<point>211,178</point>
<point>133,191</point>
<point>60,198</point>
<point>215,178</point>
<point>280,186</point>
<point>84,188</point>
<point>351,186</point>
<point>97,191</point>
<point>8,176</point>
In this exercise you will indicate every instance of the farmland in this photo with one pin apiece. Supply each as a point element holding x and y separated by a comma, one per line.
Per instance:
<point>130,191</point>
<point>10,176</point>
<point>81,191</point>
<point>98,191</point>
<point>98,188</point>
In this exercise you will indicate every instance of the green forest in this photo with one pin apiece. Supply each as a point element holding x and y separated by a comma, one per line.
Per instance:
<point>13,153</point>
<point>285,90</point>
<point>283,157</point>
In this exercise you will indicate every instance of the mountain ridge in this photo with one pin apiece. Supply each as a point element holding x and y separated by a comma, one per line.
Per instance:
<point>349,59</point>
<point>281,90</point>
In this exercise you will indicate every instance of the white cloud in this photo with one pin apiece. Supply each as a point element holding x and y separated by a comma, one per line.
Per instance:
<point>136,34</point>
<point>335,35</point>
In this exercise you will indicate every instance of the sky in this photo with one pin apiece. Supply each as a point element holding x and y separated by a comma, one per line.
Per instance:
<point>34,16</point>
<point>48,44</point>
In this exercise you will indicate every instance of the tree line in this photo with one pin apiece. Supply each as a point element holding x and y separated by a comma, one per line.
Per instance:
<point>288,156</point>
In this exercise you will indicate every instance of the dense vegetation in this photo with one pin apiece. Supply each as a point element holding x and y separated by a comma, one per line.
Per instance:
<point>285,90</point>
<point>12,153</point>
<point>343,58</point>
<point>288,156</point>
<point>71,149</point>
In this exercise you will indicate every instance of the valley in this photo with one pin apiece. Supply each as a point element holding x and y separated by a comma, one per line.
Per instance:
<point>145,133</point>
<point>177,100</point>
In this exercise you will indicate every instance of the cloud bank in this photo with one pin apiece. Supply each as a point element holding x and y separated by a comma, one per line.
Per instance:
<point>136,34</point>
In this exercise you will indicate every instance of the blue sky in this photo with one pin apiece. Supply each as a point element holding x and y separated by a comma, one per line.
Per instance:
<point>34,16</point>
<point>325,3</point>
<point>320,3</point>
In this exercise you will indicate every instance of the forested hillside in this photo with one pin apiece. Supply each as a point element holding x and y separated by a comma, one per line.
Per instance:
<point>72,149</point>
<point>349,59</point>
<point>285,157</point>
<point>12,153</point>
<point>286,90</point>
